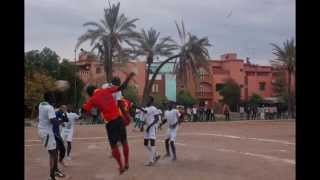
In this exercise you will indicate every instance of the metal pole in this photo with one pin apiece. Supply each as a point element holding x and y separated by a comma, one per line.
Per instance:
<point>75,78</point>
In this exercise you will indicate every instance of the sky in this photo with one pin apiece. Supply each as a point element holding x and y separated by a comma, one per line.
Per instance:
<point>245,27</point>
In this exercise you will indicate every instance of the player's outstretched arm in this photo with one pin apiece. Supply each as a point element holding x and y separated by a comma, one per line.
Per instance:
<point>125,83</point>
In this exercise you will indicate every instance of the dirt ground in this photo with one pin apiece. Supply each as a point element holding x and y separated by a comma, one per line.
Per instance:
<point>239,150</point>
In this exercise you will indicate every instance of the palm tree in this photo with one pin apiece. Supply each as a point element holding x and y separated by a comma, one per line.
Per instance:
<point>191,55</point>
<point>286,59</point>
<point>194,54</point>
<point>149,44</point>
<point>109,35</point>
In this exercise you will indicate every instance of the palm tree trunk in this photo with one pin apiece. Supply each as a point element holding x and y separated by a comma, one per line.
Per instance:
<point>155,74</point>
<point>144,96</point>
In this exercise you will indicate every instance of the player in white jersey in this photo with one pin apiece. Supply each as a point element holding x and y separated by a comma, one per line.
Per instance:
<point>151,118</point>
<point>171,116</point>
<point>47,116</point>
<point>67,130</point>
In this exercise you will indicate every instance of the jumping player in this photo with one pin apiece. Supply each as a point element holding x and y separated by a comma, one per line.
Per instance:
<point>47,117</point>
<point>103,100</point>
<point>171,116</point>
<point>151,119</point>
<point>67,130</point>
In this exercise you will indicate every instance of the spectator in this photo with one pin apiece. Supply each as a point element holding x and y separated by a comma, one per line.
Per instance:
<point>254,112</point>
<point>262,113</point>
<point>241,110</point>
<point>247,110</point>
<point>212,115</point>
<point>275,112</point>
<point>189,114</point>
<point>226,112</point>
<point>194,113</point>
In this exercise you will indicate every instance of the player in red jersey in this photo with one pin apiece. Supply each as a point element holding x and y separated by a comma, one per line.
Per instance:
<point>104,101</point>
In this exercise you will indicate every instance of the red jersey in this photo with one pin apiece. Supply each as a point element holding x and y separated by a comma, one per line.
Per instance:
<point>104,101</point>
<point>126,115</point>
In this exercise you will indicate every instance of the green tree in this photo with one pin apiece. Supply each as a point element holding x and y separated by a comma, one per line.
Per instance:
<point>150,45</point>
<point>132,94</point>
<point>285,58</point>
<point>185,98</point>
<point>255,99</point>
<point>109,35</point>
<point>36,84</point>
<point>231,94</point>
<point>160,101</point>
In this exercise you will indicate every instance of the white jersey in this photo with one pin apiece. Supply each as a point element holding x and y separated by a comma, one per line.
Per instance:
<point>149,116</point>
<point>46,112</point>
<point>71,117</point>
<point>171,116</point>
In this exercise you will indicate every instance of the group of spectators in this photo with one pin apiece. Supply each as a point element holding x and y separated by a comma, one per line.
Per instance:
<point>200,114</point>
<point>261,112</point>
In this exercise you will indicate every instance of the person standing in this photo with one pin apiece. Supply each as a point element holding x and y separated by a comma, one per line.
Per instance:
<point>194,113</point>
<point>226,112</point>
<point>151,119</point>
<point>213,117</point>
<point>189,114</point>
<point>47,117</point>
<point>116,131</point>
<point>62,118</point>
<point>241,111</point>
<point>171,116</point>
<point>68,129</point>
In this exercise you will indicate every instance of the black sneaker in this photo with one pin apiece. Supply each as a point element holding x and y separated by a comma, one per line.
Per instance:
<point>58,173</point>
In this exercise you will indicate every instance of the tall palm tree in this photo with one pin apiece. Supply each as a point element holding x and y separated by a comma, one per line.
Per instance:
<point>285,58</point>
<point>194,54</point>
<point>191,55</point>
<point>109,35</point>
<point>150,45</point>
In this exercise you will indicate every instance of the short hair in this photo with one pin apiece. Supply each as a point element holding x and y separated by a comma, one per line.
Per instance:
<point>48,96</point>
<point>90,89</point>
<point>116,81</point>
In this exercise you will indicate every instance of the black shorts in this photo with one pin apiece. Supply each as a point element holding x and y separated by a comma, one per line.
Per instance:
<point>116,131</point>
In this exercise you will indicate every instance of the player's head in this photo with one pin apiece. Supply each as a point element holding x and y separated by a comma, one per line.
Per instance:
<point>49,97</point>
<point>116,81</point>
<point>90,90</point>
<point>170,105</point>
<point>63,108</point>
<point>150,101</point>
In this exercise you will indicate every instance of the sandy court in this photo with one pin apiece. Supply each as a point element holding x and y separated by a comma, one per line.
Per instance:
<point>238,150</point>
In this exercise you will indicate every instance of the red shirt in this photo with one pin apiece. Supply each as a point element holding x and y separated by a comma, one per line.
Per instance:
<point>126,115</point>
<point>104,101</point>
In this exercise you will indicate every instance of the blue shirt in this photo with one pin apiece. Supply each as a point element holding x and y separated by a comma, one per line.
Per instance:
<point>55,125</point>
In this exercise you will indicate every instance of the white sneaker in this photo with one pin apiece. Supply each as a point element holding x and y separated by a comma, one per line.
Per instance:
<point>68,158</point>
<point>148,163</point>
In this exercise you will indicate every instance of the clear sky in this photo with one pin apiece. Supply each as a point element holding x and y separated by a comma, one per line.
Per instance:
<point>245,27</point>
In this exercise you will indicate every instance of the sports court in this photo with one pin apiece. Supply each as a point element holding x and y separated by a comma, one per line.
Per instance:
<point>236,150</point>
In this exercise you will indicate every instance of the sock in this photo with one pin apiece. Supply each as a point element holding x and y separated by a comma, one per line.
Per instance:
<point>125,149</point>
<point>167,146</point>
<point>153,153</point>
<point>173,148</point>
<point>116,155</point>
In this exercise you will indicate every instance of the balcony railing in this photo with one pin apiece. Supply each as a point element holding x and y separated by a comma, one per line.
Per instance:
<point>204,94</point>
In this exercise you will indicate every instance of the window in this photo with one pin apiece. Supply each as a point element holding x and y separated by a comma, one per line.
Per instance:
<point>241,70</point>
<point>201,90</point>
<point>98,70</point>
<point>263,74</point>
<point>219,87</point>
<point>155,88</point>
<point>241,85</point>
<point>262,86</point>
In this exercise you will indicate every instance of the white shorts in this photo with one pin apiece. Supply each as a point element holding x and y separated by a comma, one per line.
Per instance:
<point>67,134</point>
<point>47,139</point>
<point>171,134</point>
<point>151,134</point>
